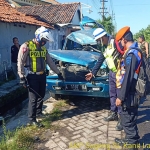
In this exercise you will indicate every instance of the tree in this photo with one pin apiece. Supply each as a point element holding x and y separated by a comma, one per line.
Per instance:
<point>108,25</point>
<point>145,32</point>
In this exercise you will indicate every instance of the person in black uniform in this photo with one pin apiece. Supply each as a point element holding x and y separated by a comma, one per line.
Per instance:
<point>127,97</point>
<point>14,56</point>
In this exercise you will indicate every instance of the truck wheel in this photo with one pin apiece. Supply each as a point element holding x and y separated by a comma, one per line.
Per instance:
<point>55,96</point>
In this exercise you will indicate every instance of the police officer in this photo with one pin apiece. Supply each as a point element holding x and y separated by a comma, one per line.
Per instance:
<point>33,57</point>
<point>126,79</point>
<point>110,46</point>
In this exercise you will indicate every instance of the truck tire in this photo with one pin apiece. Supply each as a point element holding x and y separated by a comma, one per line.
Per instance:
<point>55,96</point>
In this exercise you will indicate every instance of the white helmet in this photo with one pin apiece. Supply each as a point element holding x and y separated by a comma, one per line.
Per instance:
<point>98,33</point>
<point>42,32</point>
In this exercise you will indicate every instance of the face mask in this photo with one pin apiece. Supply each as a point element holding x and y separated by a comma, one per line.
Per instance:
<point>120,45</point>
<point>42,42</point>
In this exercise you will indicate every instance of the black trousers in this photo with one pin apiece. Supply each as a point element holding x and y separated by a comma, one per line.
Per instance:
<point>128,121</point>
<point>37,84</point>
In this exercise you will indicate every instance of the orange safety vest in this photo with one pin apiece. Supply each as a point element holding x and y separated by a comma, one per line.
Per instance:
<point>121,67</point>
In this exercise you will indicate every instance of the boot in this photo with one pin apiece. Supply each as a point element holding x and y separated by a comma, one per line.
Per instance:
<point>40,116</point>
<point>112,116</point>
<point>121,142</point>
<point>119,126</point>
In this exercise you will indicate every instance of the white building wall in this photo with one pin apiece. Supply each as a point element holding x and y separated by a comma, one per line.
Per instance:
<point>76,18</point>
<point>57,35</point>
<point>8,31</point>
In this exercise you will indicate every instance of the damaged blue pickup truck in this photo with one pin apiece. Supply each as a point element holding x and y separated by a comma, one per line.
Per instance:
<point>78,57</point>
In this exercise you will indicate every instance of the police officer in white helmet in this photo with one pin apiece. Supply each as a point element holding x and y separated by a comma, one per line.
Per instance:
<point>34,57</point>
<point>100,35</point>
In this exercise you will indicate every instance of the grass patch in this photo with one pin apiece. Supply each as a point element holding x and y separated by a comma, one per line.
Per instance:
<point>61,103</point>
<point>23,138</point>
<point>53,116</point>
<point>19,139</point>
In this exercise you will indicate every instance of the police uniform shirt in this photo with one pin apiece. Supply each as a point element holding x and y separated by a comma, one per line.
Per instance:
<point>129,83</point>
<point>25,60</point>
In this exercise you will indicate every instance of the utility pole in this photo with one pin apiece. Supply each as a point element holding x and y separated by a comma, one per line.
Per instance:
<point>114,22</point>
<point>103,12</point>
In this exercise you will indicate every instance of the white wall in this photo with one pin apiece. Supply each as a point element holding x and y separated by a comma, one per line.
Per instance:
<point>57,35</point>
<point>7,32</point>
<point>76,19</point>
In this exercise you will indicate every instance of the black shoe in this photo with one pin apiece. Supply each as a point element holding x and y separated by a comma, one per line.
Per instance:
<point>35,123</point>
<point>124,143</point>
<point>40,116</point>
<point>121,142</point>
<point>72,104</point>
<point>112,116</point>
<point>119,126</point>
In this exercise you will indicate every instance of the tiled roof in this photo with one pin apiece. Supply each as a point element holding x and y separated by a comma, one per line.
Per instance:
<point>58,13</point>
<point>10,14</point>
<point>51,1</point>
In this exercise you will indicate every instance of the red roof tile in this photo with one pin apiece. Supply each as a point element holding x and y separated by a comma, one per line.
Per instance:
<point>58,13</point>
<point>10,14</point>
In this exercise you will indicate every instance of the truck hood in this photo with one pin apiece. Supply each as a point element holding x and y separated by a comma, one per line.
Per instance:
<point>86,20</point>
<point>79,37</point>
<point>84,58</point>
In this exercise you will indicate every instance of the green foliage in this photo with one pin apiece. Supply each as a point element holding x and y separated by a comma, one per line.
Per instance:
<point>23,138</point>
<point>108,24</point>
<point>20,139</point>
<point>145,32</point>
<point>53,116</point>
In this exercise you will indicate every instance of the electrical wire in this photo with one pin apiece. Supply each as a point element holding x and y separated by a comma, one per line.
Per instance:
<point>95,5</point>
<point>131,4</point>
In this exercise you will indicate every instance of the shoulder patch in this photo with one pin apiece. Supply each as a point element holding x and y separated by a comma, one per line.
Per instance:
<point>128,60</point>
<point>24,49</point>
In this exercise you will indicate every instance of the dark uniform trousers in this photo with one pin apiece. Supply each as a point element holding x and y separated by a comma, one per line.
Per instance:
<point>38,84</point>
<point>128,121</point>
<point>113,92</point>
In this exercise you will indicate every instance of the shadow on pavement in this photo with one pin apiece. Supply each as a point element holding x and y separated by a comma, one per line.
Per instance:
<point>85,105</point>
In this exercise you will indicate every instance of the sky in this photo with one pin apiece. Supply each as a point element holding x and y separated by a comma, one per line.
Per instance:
<point>133,13</point>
